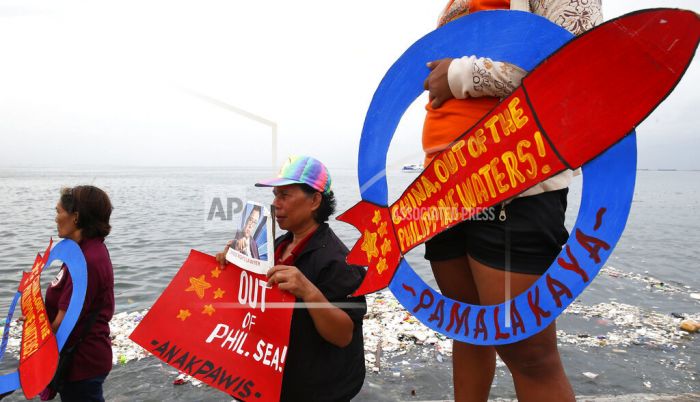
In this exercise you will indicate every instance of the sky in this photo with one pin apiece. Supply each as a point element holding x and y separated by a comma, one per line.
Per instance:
<point>111,83</point>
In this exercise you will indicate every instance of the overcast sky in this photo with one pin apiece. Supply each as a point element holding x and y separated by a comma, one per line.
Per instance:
<point>100,82</point>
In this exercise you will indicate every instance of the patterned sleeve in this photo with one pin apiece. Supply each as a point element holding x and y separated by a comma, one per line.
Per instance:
<point>576,16</point>
<point>470,76</point>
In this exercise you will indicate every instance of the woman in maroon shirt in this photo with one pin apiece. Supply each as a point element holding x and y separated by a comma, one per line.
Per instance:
<point>82,215</point>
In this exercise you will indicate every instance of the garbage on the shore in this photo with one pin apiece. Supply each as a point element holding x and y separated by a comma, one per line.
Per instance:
<point>652,283</point>
<point>183,378</point>
<point>121,326</point>
<point>390,331</point>
<point>629,325</point>
<point>690,326</point>
<point>590,375</point>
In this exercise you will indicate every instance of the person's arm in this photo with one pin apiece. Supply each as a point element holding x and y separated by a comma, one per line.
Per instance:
<point>58,320</point>
<point>575,16</point>
<point>333,324</point>
<point>471,77</point>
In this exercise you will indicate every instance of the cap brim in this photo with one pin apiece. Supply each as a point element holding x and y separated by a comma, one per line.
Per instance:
<point>275,182</point>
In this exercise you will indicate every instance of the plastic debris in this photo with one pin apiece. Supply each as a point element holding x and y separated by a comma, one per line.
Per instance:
<point>632,325</point>
<point>652,283</point>
<point>390,331</point>
<point>183,378</point>
<point>590,375</point>
<point>179,380</point>
<point>690,326</point>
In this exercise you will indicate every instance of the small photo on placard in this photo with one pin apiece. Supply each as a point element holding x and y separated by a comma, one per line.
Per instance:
<point>252,245</point>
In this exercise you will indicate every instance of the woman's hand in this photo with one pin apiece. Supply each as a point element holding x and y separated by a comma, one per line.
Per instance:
<point>289,278</point>
<point>437,84</point>
<point>221,257</point>
<point>333,324</point>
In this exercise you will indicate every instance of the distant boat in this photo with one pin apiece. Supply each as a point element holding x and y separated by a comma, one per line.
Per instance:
<point>415,167</point>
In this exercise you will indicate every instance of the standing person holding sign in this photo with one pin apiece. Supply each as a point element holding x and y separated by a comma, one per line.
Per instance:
<point>326,353</point>
<point>82,215</point>
<point>487,262</point>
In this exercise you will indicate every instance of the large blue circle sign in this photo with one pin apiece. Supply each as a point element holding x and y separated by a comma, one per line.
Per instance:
<point>523,39</point>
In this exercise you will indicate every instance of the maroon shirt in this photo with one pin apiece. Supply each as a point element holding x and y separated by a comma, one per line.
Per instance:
<point>93,356</point>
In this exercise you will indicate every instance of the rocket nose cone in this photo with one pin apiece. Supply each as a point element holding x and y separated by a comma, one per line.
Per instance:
<point>590,93</point>
<point>667,35</point>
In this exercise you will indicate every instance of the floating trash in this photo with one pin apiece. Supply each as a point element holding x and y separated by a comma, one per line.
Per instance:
<point>690,326</point>
<point>390,331</point>
<point>590,375</point>
<point>652,283</point>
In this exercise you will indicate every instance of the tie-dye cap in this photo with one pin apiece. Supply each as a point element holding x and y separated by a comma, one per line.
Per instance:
<point>301,169</point>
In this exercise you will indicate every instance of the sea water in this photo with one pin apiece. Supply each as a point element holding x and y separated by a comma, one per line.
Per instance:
<point>162,213</point>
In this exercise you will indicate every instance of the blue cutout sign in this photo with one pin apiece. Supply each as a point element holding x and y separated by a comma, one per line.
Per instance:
<point>525,40</point>
<point>70,254</point>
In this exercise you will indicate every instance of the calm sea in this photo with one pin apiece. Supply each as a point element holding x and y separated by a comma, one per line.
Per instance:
<point>162,213</point>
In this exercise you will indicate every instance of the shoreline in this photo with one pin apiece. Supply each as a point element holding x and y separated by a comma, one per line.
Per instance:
<point>610,346</point>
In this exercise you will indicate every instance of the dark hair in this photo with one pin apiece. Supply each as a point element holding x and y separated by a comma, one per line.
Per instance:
<point>255,208</point>
<point>327,207</point>
<point>93,207</point>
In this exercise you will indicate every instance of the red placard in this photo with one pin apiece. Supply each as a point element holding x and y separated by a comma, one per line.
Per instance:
<point>501,156</point>
<point>223,327</point>
<point>39,351</point>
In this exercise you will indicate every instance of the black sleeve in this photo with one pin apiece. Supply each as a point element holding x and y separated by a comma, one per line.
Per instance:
<point>337,281</point>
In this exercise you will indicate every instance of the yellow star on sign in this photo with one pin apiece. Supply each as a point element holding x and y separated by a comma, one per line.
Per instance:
<point>184,314</point>
<point>386,247</point>
<point>382,229</point>
<point>198,285</point>
<point>216,272</point>
<point>369,245</point>
<point>219,293</point>
<point>377,217</point>
<point>208,310</point>
<point>381,266</point>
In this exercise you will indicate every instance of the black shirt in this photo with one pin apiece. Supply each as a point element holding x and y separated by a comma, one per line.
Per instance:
<point>317,370</point>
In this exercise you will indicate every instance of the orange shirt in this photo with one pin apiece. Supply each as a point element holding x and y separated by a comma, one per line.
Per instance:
<point>456,116</point>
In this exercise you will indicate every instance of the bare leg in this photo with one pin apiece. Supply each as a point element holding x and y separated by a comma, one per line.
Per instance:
<point>535,364</point>
<point>473,366</point>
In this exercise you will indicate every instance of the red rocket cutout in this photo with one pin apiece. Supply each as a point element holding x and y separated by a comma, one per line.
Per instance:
<point>575,105</point>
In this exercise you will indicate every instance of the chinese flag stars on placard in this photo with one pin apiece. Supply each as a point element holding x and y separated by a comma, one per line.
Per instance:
<point>377,217</point>
<point>199,285</point>
<point>184,314</point>
<point>208,310</point>
<point>369,243</point>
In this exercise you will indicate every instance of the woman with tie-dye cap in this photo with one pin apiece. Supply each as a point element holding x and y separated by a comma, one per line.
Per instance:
<point>326,360</point>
